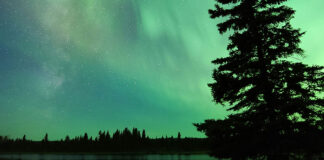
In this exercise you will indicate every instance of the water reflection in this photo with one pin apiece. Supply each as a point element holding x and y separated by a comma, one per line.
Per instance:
<point>102,157</point>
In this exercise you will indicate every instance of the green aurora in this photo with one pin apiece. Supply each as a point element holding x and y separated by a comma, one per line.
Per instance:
<point>75,66</point>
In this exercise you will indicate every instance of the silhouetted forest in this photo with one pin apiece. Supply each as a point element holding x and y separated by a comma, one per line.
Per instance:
<point>120,141</point>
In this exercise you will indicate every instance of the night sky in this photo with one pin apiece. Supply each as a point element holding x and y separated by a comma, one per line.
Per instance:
<point>75,66</point>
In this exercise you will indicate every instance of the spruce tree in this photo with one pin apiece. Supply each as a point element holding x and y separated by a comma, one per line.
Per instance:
<point>45,139</point>
<point>24,138</point>
<point>276,103</point>
<point>143,134</point>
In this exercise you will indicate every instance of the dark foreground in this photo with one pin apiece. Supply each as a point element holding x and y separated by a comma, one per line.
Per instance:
<point>104,157</point>
<point>147,146</point>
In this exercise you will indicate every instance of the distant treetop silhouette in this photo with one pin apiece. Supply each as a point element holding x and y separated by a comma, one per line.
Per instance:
<point>276,105</point>
<point>125,141</point>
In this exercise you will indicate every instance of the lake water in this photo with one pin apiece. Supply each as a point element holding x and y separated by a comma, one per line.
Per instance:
<point>103,157</point>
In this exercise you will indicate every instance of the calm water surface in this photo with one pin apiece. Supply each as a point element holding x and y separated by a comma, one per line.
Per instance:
<point>102,157</point>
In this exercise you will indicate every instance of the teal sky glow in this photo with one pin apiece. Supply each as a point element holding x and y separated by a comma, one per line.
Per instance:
<point>75,66</point>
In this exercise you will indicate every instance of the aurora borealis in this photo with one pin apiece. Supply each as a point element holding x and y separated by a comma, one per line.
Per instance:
<point>75,66</point>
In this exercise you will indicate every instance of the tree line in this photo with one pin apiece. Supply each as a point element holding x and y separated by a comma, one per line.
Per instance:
<point>120,141</point>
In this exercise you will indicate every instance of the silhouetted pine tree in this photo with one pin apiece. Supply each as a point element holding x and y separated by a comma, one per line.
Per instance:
<point>116,135</point>
<point>45,139</point>
<point>107,136</point>
<point>67,139</point>
<point>101,136</point>
<point>85,137</point>
<point>143,134</point>
<point>136,134</point>
<point>24,138</point>
<point>277,105</point>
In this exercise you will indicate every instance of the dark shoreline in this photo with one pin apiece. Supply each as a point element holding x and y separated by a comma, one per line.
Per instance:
<point>121,142</point>
<point>113,153</point>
